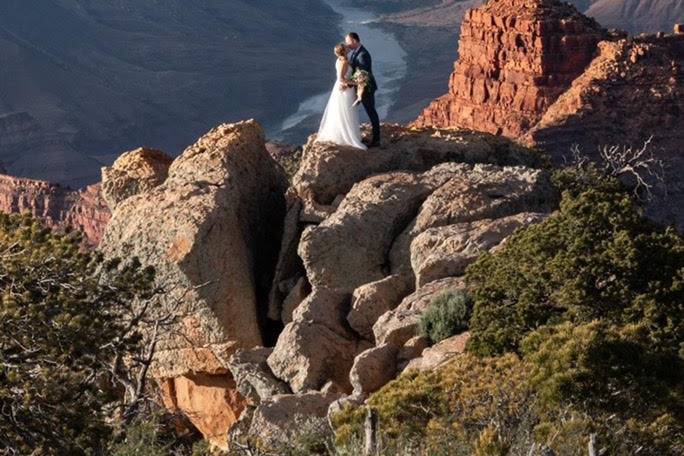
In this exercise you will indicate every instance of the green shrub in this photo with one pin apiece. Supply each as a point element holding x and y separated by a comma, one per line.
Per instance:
<point>593,259</point>
<point>60,326</point>
<point>499,406</point>
<point>447,315</point>
<point>158,434</point>
<point>577,329</point>
<point>444,411</point>
<point>143,438</point>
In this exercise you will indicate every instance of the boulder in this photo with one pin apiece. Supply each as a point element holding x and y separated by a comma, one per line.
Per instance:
<point>210,230</point>
<point>349,248</point>
<point>373,299</point>
<point>468,193</point>
<point>373,368</point>
<point>413,348</point>
<point>316,347</point>
<point>447,250</point>
<point>278,420</point>
<point>205,230</point>
<point>134,172</point>
<point>440,353</point>
<point>253,378</point>
<point>397,326</point>
<point>210,401</point>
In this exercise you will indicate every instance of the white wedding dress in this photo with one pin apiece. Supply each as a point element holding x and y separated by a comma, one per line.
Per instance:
<point>340,123</point>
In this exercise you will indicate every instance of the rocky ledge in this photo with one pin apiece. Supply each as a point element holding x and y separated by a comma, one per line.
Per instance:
<point>291,299</point>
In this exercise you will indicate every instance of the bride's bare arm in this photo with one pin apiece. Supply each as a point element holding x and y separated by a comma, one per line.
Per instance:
<point>342,71</point>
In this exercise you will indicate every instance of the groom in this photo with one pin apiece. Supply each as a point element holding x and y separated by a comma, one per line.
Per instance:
<point>361,58</point>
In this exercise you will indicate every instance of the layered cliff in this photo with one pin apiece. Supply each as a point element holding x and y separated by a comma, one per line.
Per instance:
<point>515,58</point>
<point>539,72</point>
<point>632,93</point>
<point>59,207</point>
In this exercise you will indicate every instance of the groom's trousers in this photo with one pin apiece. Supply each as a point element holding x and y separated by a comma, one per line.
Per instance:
<point>368,102</point>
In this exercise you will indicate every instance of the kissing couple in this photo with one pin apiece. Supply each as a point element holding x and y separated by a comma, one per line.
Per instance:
<point>354,85</point>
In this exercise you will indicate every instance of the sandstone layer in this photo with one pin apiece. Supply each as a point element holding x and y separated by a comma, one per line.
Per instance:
<point>58,207</point>
<point>515,58</point>
<point>211,231</point>
<point>539,72</point>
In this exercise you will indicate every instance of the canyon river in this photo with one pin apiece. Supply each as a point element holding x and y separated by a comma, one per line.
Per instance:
<point>389,66</point>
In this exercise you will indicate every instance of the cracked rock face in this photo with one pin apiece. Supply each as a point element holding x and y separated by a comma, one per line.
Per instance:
<point>446,251</point>
<point>374,261</point>
<point>210,230</point>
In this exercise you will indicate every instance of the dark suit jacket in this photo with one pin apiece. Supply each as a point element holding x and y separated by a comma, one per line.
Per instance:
<point>361,58</point>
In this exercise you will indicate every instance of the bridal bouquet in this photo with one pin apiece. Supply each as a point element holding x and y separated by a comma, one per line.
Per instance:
<point>361,77</point>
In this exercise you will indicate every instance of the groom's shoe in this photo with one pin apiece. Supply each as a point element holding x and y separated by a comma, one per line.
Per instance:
<point>374,144</point>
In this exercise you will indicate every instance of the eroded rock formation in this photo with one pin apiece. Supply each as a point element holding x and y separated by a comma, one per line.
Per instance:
<point>211,230</point>
<point>59,207</point>
<point>515,58</point>
<point>346,260</point>
<point>132,173</point>
<point>539,72</point>
<point>632,92</point>
<point>362,261</point>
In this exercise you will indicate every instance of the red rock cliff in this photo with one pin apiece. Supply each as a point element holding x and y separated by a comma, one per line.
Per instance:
<point>515,58</point>
<point>58,206</point>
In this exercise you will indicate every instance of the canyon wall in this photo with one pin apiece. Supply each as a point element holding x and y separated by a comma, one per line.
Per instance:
<point>539,72</point>
<point>59,207</point>
<point>515,58</point>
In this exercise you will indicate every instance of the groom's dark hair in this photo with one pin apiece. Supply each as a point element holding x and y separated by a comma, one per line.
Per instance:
<point>354,36</point>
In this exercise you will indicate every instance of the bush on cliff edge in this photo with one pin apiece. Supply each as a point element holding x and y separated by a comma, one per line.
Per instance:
<point>577,329</point>
<point>61,325</point>
<point>447,315</point>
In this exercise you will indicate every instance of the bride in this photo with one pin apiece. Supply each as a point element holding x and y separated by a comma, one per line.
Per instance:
<point>340,123</point>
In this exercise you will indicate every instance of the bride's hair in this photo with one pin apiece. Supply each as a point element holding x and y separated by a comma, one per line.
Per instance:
<point>341,51</point>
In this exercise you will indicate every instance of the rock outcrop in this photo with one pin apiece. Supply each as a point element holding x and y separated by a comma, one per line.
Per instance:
<point>211,231</point>
<point>58,207</point>
<point>357,259</point>
<point>360,261</point>
<point>539,72</point>
<point>515,58</point>
<point>630,94</point>
<point>365,241</point>
<point>132,173</point>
